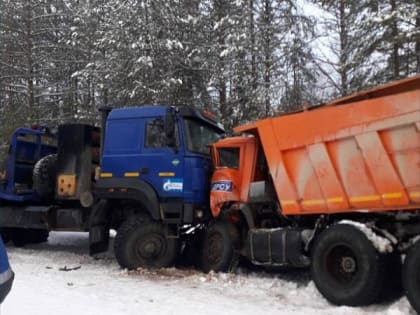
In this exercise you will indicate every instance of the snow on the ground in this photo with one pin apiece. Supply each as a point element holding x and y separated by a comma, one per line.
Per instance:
<point>59,277</point>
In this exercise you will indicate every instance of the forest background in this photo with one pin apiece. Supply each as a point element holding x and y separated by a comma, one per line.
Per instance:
<point>241,59</point>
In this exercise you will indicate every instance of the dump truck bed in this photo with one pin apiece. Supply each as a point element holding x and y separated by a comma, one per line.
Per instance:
<point>357,153</point>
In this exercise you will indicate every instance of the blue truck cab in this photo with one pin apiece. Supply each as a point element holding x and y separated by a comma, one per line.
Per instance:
<point>154,179</point>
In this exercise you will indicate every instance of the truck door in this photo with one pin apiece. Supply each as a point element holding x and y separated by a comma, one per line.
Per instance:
<point>161,165</point>
<point>198,165</point>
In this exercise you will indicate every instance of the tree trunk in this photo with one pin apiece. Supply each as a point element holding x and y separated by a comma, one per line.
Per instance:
<point>343,49</point>
<point>220,14</point>
<point>395,43</point>
<point>267,18</point>
<point>252,46</point>
<point>29,63</point>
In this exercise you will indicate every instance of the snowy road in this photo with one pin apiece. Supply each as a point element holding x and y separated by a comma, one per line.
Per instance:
<point>59,277</point>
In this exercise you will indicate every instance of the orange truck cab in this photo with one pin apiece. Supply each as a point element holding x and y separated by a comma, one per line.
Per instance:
<point>236,169</point>
<point>336,187</point>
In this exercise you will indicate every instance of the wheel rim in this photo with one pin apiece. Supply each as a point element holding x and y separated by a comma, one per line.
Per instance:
<point>215,248</point>
<point>150,247</point>
<point>341,264</point>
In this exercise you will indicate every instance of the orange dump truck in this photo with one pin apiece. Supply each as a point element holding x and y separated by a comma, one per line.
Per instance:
<point>336,188</point>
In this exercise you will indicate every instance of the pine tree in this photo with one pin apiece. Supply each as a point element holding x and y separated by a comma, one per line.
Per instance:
<point>399,22</point>
<point>349,63</point>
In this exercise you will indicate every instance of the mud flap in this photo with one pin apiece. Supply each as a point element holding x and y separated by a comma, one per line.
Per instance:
<point>99,228</point>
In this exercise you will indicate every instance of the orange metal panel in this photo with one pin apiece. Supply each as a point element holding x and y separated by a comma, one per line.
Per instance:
<point>334,122</point>
<point>304,178</point>
<point>395,87</point>
<point>328,178</point>
<point>403,147</point>
<point>384,176</point>
<point>249,158</point>
<point>284,187</point>
<point>354,174</point>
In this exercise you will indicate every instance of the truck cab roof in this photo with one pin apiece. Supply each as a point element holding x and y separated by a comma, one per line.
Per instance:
<point>160,110</point>
<point>137,111</point>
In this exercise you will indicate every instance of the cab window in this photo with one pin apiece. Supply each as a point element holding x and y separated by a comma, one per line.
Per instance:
<point>155,134</point>
<point>229,157</point>
<point>199,136</point>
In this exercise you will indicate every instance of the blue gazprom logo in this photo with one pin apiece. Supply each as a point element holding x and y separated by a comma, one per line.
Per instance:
<point>222,185</point>
<point>173,184</point>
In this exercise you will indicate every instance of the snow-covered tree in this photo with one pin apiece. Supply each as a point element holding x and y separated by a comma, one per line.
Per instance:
<point>399,40</point>
<point>242,59</point>
<point>347,58</point>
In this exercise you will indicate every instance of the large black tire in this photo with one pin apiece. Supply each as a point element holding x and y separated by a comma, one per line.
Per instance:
<point>392,289</point>
<point>346,267</point>
<point>220,246</point>
<point>411,276</point>
<point>44,177</point>
<point>142,243</point>
<point>21,237</point>
<point>36,236</point>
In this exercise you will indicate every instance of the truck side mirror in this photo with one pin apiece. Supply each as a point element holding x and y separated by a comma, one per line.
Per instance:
<point>169,127</point>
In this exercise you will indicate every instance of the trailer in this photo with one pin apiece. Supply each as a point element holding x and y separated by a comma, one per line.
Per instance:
<point>336,188</point>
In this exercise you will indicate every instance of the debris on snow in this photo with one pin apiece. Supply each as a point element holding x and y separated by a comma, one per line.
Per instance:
<point>65,268</point>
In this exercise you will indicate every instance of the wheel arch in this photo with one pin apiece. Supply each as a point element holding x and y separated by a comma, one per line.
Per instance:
<point>134,190</point>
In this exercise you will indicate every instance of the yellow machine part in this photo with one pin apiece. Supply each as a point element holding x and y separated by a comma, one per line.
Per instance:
<point>66,185</point>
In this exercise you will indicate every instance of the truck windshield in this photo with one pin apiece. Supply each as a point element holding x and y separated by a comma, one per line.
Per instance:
<point>229,157</point>
<point>199,136</point>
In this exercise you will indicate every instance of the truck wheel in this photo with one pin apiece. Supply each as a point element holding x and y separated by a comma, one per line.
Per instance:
<point>411,276</point>
<point>346,267</point>
<point>19,237</point>
<point>35,236</point>
<point>392,288</point>
<point>143,244</point>
<point>44,176</point>
<point>219,246</point>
